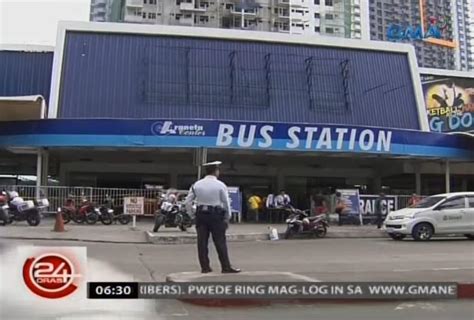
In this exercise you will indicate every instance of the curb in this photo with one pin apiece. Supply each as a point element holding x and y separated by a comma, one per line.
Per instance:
<point>157,238</point>
<point>74,239</point>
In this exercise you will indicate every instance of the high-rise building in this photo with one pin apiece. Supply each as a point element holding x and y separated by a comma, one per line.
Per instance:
<point>341,18</point>
<point>471,47</point>
<point>106,10</point>
<point>440,30</point>
<point>464,16</point>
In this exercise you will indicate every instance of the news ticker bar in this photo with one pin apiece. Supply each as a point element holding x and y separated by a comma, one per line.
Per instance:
<point>272,290</point>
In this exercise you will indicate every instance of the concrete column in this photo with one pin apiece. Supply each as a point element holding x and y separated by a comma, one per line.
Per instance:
<point>201,157</point>
<point>377,181</point>
<point>174,180</point>
<point>42,164</point>
<point>280,181</point>
<point>418,182</point>
<point>464,184</point>
<point>447,176</point>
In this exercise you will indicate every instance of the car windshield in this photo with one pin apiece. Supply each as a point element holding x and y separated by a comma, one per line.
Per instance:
<point>428,202</point>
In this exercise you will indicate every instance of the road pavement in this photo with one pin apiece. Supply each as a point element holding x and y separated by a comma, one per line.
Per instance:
<point>322,259</point>
<point>118,233</point>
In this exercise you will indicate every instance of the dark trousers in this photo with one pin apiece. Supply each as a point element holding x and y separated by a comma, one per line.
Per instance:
<point>379,220</point>
<point>214,224</point>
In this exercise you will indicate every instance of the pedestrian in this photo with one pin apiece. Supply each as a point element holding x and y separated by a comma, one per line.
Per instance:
<point>255,203</point>
<point>343,206</point>
<point>380,207</point>
<point>282,200</point>
<point>413,201</point>
<point>270,201</point>
<point>320,203</point>
<point>212,216</point>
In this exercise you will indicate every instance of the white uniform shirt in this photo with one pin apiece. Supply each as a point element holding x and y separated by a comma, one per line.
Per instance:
<point>282,200</point>
<point>209,191</point>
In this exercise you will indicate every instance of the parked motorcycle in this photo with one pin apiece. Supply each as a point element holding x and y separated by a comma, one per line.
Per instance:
<point>299,222</point>
<point>172,215</point>
<point>15,208</point>
<point>85,213</point>
<point>68,210</point>
<point>108,214</point>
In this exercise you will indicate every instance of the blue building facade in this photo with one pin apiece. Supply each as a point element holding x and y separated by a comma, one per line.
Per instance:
<point>25,73</point>
<point>141,76</point>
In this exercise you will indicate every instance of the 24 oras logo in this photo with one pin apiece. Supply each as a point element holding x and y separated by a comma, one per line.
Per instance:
<point>51,275</point>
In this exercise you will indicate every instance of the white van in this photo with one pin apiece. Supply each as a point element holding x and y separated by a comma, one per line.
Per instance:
<point>449,213</point>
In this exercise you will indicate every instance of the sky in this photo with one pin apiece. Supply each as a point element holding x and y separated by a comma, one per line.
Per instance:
<point>35,21</point>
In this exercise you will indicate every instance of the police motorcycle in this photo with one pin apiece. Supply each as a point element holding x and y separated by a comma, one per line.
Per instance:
<point>15,208</point>
<point>173,214</point>
<point>108,214</point>
<point>299,222</point>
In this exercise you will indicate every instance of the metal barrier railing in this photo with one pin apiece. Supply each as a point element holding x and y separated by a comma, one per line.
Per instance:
<point>57,195</point>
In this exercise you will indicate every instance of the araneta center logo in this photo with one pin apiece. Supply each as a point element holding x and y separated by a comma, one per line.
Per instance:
<point>161,128</point>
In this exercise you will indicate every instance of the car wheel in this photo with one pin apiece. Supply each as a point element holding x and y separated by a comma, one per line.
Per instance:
<point>397,236</point>
<point>422,232</point>
<point>469,236</point>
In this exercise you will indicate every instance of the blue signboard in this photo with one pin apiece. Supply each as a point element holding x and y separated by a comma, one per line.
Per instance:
<point>235,135</point>
<point>235,199</point>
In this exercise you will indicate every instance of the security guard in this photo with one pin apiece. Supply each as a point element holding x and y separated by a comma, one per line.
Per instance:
<point>212,216</point>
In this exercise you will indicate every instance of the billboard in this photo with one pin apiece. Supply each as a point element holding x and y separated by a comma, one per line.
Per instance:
<point>449,103</point>
<point>436,30</point>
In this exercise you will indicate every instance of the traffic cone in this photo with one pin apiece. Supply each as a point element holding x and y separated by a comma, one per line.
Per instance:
<point>59,224</point>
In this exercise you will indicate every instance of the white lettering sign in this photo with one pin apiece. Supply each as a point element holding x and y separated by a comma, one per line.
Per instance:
<point>133,205</point>
<point>300,137</point>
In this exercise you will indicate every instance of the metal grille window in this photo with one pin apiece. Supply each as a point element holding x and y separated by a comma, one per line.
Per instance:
<point>184,76</point>
<point>216,78</point>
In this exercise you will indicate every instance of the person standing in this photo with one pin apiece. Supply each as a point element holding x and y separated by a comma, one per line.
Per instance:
<point>380,206</point>
<point>212,217</point>
<point>282,200</point>
<point>255,203</point>
<point>413,201</point>
<point>343,206</point>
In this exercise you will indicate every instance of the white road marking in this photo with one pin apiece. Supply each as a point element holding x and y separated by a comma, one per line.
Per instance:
<point>418,305</point>
<point>434,269</point>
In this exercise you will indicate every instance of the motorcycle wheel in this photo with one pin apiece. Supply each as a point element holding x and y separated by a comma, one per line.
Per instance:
<point>320,232</point>
<point>182,227</point>
<point>5,219</point>
<point>125,219</point>
<point>92,218</point>
<point>78,218</point>
<point>33,218</point>
<point>289,233</point>
<point>66,217</point>
<point>106,219</point>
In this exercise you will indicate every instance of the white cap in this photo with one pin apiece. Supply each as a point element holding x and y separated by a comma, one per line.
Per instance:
<point>215,163</point>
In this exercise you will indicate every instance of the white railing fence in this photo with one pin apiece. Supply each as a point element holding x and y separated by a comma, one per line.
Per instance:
<point>57,195</point>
